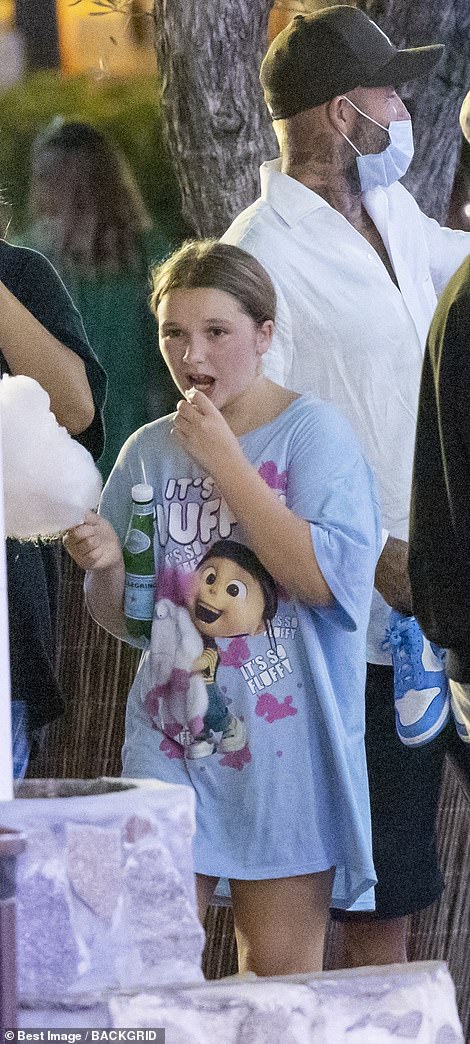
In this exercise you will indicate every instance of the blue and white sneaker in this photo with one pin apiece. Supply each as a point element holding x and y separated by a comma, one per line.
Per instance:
<point>421,688</point>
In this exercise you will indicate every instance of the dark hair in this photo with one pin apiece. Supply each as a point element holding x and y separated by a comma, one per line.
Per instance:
<point>246,558</point>
<point>94,194</point>
<point>220,266</point>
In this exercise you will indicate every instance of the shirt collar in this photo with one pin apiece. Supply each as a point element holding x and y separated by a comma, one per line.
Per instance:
<point>289,198</point>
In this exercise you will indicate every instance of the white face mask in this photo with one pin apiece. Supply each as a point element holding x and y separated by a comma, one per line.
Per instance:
<point>384,168</point>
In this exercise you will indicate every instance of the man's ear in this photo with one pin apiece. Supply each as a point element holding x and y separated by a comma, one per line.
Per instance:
<point>339,113</point>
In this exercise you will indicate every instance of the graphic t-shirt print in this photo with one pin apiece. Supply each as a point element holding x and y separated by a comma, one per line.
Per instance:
<point>225,600</point>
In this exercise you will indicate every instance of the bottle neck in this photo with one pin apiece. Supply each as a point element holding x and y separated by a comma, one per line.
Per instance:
<point>142,509</point>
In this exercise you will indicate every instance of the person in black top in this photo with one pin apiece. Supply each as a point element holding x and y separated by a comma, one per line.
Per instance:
<point>42,336</point>
<point>439,549</point>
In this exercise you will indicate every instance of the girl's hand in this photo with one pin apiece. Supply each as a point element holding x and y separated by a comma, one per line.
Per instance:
<point>202,431</point>
<point>93,544</point>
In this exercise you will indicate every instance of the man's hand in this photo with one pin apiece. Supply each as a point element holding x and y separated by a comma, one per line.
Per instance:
<point>94,544</point>
<point>391,575</point>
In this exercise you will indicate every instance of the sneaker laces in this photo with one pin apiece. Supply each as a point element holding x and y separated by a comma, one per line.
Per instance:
<point>405,654</point>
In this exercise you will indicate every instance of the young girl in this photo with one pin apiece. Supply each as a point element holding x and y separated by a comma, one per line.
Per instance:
<point>284,812</point>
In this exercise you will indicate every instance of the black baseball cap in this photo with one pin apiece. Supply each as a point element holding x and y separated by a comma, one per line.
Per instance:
<point>318,56</point>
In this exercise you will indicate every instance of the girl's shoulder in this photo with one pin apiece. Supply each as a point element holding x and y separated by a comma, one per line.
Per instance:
<point>154,430</point>
<point>308,416</point>
<point>310,406</point>
<point>313,438</point>
<point>146,452</point>
<point>153,437</point>
<point>328,432</point>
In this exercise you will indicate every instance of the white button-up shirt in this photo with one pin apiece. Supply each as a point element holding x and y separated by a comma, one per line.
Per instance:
<point>344,331</point>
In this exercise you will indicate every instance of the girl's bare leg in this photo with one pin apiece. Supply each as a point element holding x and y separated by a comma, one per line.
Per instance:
<point>280,924</point>
<point>205,888</point>
<point>367,941</point>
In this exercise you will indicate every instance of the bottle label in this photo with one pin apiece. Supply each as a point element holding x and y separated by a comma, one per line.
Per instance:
<point>137,541</point>
<point>139,596</point>
<point>143,509</point>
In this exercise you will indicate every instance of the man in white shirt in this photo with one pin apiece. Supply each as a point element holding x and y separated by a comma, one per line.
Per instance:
<point>357,269</point>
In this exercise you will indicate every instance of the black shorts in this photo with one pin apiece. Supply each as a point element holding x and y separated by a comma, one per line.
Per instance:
<point>404,784</point>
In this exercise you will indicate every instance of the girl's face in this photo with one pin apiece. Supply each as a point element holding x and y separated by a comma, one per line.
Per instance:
<point>209,343</point>
<point>51,184</point>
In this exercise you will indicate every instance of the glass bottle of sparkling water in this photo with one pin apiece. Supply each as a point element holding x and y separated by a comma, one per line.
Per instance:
<point>139,561</point>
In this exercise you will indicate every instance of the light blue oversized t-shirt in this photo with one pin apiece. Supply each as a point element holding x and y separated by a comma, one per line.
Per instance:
<point>294,800</point>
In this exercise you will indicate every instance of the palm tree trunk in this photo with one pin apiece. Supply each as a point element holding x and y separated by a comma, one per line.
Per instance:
<point>37,23</point>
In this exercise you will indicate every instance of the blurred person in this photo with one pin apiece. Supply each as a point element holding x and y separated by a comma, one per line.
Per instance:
<point>439,548</point>
<point>88,216</point>
<point>459,207</point>
<point>357,269</point>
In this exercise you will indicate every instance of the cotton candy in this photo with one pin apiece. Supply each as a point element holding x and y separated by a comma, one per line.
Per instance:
<point>49,479</point>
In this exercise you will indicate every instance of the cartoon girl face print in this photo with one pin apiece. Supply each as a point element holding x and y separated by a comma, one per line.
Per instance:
<point>227,600</point>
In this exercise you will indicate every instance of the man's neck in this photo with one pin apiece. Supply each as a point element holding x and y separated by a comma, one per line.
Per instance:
<point>337,185</point>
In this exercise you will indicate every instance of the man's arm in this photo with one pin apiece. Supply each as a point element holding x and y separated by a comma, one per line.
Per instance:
<point>31,350</point>
<point>447,247</point>
<point>391,575</point>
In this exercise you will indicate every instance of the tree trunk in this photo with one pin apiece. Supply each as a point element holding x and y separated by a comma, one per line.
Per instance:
<point>37,23</point>
<point>217,125</point>
<point>434,100</point>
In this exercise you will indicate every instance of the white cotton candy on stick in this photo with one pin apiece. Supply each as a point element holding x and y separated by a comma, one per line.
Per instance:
<point>49,479</point>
